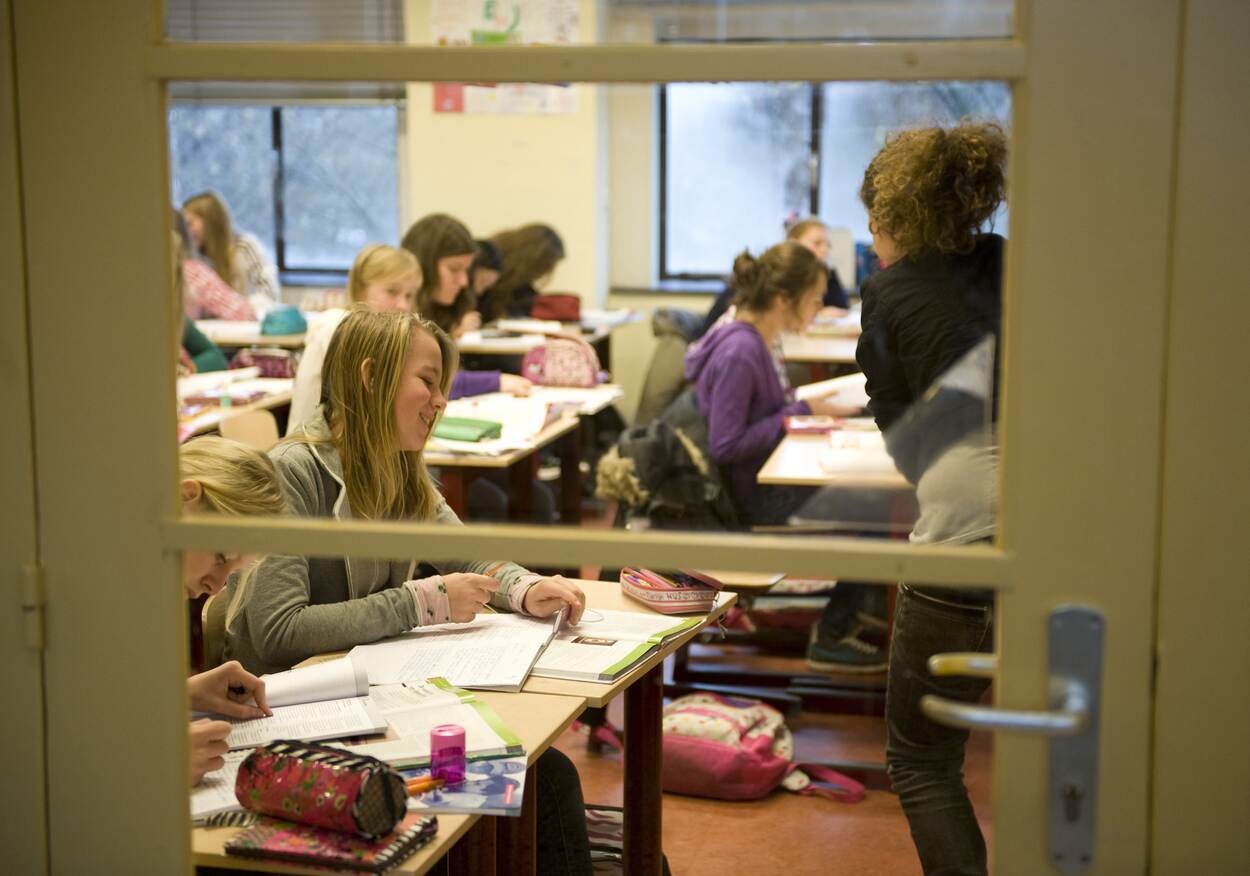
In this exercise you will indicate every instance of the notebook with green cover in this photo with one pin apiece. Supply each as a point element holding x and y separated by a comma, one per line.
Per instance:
<point>466,429</point>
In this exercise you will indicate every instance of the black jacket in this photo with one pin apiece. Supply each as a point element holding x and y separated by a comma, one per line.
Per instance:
<point>920,316</point>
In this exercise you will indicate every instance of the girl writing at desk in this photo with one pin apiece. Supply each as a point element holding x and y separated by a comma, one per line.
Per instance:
<point>220,476</point>
<point>385,382</point>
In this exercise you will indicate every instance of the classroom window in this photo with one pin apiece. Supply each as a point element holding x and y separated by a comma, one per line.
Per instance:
<point>313,183</point>
<point>738,159</point>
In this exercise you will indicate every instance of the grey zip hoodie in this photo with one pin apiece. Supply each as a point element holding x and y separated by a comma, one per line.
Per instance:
<point>296,607</point>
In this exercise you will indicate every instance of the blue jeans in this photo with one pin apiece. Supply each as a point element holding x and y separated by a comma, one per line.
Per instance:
<point>925,759</point>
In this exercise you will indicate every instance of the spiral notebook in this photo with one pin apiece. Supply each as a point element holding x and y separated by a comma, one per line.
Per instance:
<point>279,840</point>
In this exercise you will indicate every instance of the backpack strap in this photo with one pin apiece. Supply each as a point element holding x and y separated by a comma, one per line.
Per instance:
<point>833,784</point>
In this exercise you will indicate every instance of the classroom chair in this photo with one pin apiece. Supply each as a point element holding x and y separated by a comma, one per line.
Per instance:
<point>257,429</point>
<point>213,626</point>
<point>674,329</point>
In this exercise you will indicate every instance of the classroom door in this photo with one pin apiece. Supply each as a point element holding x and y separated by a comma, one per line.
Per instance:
<point>1085,347</point>
<point>23,829</point>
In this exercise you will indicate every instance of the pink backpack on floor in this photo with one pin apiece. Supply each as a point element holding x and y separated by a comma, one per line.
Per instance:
<point>562,361</point>
<point>739,749</point>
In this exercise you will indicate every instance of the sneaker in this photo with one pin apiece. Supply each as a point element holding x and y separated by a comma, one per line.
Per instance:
<point>848,654</point>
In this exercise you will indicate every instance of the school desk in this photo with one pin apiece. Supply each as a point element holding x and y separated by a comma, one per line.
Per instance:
<point>536,719</point>
<point>819,349</point>
<point>644,701</point>
<point>235,333</point>
<point>796,462</point>
<point>458,470</point>
<point>210,417</point>
<point>485,343</point>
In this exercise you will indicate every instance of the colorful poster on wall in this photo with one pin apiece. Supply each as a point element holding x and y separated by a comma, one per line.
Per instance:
<point>504,22</point>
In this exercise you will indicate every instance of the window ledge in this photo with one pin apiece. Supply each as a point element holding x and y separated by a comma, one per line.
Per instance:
<point>670,287</point>
<point>327,279</point>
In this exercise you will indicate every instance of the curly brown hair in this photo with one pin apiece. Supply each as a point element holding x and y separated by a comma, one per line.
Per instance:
<point>932,189</point>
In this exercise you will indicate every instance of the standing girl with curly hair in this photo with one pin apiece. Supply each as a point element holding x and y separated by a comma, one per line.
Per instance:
<point>929,195</point>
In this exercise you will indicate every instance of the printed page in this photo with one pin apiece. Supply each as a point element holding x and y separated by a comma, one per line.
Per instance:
<point>521,417</point>
<point>495,652</point>
<point>412,711</point>
<point>331,680</point>
<point>309,722</point>
<point>215,792</point>
<point>588,657</point>
<point>848,390</point>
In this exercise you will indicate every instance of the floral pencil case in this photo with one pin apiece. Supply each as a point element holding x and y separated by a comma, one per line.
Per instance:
<point>322,786</point>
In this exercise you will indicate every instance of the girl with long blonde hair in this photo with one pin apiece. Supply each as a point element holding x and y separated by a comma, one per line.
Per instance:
<point>236,256</point>
<point>385,279</point>
<point>384,384</point>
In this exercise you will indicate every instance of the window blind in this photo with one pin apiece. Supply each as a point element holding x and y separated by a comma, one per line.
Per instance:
<point>298,21</point>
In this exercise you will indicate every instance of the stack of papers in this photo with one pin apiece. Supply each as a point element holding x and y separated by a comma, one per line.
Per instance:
<point>848,390</point>
<point>522,418</point>
<point>492,652</point>
<point>852,452</point>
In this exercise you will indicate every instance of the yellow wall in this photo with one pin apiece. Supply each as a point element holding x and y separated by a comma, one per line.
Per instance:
<point>497,171</point>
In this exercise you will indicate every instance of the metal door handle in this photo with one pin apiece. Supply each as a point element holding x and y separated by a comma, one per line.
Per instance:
<point>1069,696</point>
<point>1075,636</point>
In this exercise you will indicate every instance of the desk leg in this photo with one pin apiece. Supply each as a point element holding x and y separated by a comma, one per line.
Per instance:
<point>516,841</point>
<point>521,489</point>
<point>644,701</point>
<point>571,479</point>
<point>474,854</point>
<point>455,488</point>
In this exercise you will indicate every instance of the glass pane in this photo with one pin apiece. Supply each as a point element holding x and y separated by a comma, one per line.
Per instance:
<point>856,117</point>
<point>340,182</point>
<point>533,22</point>
<point>736,165</point>
<point>228,150</point>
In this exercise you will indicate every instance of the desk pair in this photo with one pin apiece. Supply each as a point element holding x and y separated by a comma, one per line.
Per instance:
<point>538,715</point>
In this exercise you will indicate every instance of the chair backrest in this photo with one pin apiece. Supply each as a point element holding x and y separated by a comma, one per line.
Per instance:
<point>213,624</point>
<point>673,329</point>
<point>842,256</point>
<point>256,429</point>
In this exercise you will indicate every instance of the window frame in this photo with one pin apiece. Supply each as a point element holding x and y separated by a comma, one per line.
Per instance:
<point>295,274</point>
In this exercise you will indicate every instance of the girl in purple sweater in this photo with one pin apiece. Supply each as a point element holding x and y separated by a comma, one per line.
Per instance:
<point>736,387</point>
<point>737,390</point>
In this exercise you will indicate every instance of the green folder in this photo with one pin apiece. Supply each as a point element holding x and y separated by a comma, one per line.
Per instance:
<point>467,429</point>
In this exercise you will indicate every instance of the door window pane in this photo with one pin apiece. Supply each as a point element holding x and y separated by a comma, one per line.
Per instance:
<point>736,163</point>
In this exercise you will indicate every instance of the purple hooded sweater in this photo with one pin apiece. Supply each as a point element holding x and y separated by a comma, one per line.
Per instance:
<point>737,390</point>
<point>473,383</point>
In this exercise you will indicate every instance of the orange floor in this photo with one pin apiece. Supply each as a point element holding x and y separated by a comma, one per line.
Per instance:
<point>785,833</point>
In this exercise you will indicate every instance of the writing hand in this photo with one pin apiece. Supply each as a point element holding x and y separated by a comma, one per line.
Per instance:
<point>549,595</point>
<point>228,690</point>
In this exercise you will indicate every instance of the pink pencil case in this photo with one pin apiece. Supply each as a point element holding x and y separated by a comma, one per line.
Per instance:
<point>671,592</point>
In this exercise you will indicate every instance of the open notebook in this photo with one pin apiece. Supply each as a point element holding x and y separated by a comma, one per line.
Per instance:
<point>323,701</point>
<point>607,644</point>
<point>407,712</point>
<point>491,652</point>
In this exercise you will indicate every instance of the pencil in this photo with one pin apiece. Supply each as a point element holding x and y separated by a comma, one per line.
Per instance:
<point>418,786</point>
